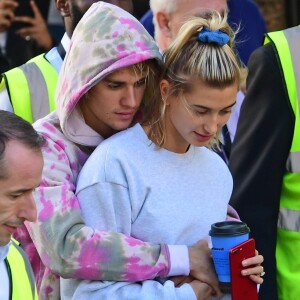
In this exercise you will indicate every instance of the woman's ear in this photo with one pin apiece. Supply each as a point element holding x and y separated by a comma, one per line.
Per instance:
<point>164,90</point>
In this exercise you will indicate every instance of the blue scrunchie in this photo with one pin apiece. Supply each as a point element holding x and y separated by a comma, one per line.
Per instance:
<point>218,37</point>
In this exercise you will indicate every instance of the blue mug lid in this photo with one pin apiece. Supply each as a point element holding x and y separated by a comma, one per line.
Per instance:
<point>229,228</point>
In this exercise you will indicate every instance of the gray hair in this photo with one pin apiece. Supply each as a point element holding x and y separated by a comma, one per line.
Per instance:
<point>168,6</point>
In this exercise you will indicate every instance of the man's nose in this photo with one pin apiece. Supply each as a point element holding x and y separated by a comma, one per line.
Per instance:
<point>27,209</point>
<point>130,99</point>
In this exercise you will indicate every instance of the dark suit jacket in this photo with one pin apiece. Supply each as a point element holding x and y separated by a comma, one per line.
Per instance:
<point>258,156</point>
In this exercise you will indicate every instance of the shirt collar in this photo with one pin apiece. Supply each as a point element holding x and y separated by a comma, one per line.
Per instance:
<point>4,251</point>
<point>65,41</point>
<point>3,41</point>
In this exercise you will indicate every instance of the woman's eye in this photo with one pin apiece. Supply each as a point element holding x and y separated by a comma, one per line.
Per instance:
<point>199,113</point>
<point>225,112</point>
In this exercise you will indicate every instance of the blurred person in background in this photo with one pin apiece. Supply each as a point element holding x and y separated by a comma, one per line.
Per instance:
<point>265,161</point>
<point>24,31</point>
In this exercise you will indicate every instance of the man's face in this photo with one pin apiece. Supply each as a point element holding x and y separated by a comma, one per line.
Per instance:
<point>190,8</point>
<point>23,168</point>
<point>111,105</point>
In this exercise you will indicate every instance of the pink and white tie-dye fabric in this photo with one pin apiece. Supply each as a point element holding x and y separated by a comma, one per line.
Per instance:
<point>106,39</point>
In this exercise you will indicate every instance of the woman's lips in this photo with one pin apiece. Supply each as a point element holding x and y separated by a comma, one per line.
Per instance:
<point>203,138</point>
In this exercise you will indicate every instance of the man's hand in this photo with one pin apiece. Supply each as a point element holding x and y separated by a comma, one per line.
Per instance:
<point>202,267</point>
<point>180,280</point>
<point>37,29</point>
<point>202,290</point>
<point>7,15</point>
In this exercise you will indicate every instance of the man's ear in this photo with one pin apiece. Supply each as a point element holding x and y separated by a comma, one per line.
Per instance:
<point>63,7</point>
<point>163,23</point>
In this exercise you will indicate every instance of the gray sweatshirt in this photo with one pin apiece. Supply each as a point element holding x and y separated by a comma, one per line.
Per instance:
<point>128,185</point>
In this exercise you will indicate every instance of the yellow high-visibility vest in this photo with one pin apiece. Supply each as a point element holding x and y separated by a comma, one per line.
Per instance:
<point>31,88</point>
<point>22,283</point>
<point>287,43</point>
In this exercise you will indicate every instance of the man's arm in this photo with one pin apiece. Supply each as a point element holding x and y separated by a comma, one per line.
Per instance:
<point>259,153</point>
<point>63,240</point>
<point>73,250</point>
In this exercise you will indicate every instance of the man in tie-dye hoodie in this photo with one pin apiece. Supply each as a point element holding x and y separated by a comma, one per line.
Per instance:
<point>107,76</point>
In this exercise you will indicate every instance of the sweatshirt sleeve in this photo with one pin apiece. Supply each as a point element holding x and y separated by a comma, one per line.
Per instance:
<point>70,248</point>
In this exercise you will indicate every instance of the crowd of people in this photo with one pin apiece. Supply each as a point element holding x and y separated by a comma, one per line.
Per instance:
<point>122,144</point>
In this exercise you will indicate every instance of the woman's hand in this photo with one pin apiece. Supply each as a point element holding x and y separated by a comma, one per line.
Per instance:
<point>255,270</point>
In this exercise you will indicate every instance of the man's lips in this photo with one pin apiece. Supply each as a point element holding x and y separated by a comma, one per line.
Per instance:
<point>124,115</point>
<point>11,229</point>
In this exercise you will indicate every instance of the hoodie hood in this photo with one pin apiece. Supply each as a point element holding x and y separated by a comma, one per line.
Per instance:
<point>106,39</point>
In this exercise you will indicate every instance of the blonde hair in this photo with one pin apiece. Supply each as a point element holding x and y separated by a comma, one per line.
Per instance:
<point>187,60</point>
<point>152,70</point>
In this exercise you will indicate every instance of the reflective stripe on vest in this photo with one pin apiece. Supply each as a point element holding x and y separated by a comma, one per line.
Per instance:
<point>32,88</point>
<point>293,162</point>
<point>23,283</point>
<point>289,219</point>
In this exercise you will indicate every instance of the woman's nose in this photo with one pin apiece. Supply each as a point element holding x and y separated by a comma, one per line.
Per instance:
<point>212,124</point>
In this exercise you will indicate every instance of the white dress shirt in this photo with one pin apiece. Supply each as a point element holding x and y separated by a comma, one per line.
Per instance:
<point>4,290</point>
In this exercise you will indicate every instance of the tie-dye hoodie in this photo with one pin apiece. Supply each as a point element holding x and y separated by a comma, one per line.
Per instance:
<point>106,39</point>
